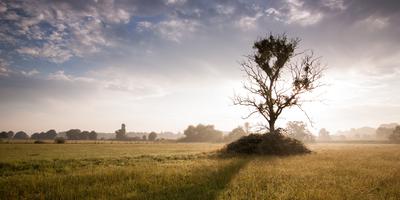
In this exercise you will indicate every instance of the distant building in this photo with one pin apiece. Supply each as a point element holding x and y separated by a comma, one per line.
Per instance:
<point>121,133</point>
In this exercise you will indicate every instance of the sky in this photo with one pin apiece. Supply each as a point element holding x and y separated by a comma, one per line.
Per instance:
<point>161,65</point>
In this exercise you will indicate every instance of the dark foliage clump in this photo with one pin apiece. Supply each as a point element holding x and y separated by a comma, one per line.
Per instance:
<point>246,144</point>
<point>59,140</point>
<point>267,144</point>
<point>77,134</point>
<point>39,142</point>
<point>395,136</point>
<point>49,135</point>
<point>21,135</point>
<point>152,136</point>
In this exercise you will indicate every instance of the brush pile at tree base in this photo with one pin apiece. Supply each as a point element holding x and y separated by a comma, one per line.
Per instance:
<point>267,144</point>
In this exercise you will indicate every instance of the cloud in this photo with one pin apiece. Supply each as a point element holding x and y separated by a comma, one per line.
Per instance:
<point>59,75</point>
<point>375,22</point>
<point>334,4</point>
<point>173,29</point>
<point>247,22</point>
<point>62,76</point>
<point>300,15</point>
<point>377,66</point>
<point>144,25</point>
<point>162,48</point>
<point>276,14</point>
<point>136,89</point>
<point>3,7</point>
<point>296,12</point>
<point>50,51</point>
<point>173,2</point>
<point>306,12</point>
<point>225,9</point>
<point>4,71</point>
<point>114,80</point>
<point>30,73</point>
<point>58,31</point>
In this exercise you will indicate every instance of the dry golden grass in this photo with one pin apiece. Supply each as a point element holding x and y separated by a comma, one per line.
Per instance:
<point>189,171</point>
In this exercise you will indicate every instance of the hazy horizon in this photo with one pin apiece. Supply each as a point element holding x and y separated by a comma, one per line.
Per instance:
<point>162,65</point>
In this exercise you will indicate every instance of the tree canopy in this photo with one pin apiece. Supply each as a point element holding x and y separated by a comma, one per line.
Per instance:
<point>395,136</point>
<point>323,135</point>
<point>299,131</point>
<point>76,134</point>
<point>235,134</point>
<point>202,133</point>
<point>21,135</point>
<point>49,135</point>
<point>152,136</point>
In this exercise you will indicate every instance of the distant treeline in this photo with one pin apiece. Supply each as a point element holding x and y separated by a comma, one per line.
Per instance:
<point>293,129</point>
<point>73,134</point>
<point>208,133</point>
<point>76,134</point>
<point>383,132</point>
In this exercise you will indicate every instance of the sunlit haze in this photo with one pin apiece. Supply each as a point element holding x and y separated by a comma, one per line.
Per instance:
<point>161,65</point>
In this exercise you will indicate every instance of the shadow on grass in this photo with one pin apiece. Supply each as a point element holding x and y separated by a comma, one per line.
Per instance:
<point>204,183</point>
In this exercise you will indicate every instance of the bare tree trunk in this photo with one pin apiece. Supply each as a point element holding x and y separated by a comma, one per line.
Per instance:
<point>271,126</point>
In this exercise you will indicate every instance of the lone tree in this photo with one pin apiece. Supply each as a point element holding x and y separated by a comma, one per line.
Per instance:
<point>278,76</point>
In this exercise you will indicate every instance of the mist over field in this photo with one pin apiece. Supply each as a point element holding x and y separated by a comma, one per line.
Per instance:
<point>187,99</point>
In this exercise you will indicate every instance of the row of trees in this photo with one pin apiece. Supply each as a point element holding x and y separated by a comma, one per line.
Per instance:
<point>207,133</point>
<point>11,135</point>
<point>73,134</point>
<point>49,135</point>
<point>76,134</point>
<point>299,131</point>
<point>385,131</point>
<point>6,135</point>
<point>199,133</point>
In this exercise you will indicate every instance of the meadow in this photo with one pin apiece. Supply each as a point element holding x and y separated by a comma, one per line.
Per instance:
<point>196,171</point>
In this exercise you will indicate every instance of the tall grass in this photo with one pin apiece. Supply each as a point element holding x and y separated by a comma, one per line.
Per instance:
<point>190,171</point>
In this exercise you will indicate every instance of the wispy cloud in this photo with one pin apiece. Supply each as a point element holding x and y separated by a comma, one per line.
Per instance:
<point>173,29</point>
<point>30,73</point>
<point>4,71</point>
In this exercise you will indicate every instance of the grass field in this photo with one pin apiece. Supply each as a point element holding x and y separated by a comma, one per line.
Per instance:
<point>194,171</point>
